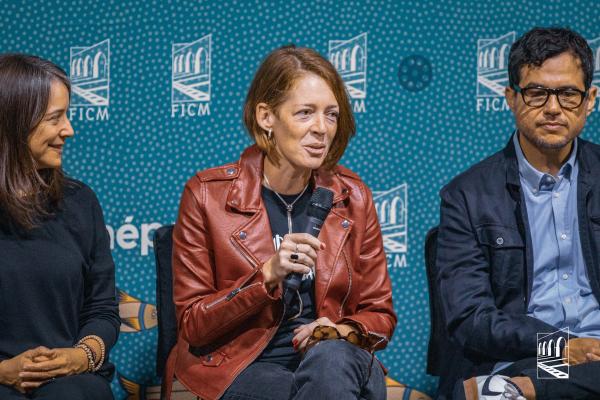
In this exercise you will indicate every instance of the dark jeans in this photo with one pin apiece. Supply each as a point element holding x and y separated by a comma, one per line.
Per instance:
<point>333,369</point>
<point>583,382</point>
<point>75,387</point>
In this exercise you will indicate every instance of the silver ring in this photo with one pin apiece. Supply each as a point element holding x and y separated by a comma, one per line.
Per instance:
<point>296,248</point>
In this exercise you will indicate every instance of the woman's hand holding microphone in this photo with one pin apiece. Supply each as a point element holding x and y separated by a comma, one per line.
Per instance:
<point>296,254</point>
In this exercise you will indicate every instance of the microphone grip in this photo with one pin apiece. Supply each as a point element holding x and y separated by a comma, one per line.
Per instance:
<point>313,227</point>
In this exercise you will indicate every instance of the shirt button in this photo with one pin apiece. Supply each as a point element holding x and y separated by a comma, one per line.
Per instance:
<point>556,195</point>
<point>565,276</point>
<point>534,191</point>
<point>500,241</point>
<point>568,300</point>
<point>563,236</point>
<point>242,235</point>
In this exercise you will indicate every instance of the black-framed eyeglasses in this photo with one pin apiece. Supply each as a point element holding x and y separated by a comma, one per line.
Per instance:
<point>537,96</point>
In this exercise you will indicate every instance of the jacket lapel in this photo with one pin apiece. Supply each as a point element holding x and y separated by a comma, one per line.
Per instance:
<point>587,179</point>
<point>513,183</point>
<point>253,238</point>
<point>334,233</point>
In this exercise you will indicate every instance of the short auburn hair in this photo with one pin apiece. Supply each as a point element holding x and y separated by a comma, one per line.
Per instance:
<point>274,79</point>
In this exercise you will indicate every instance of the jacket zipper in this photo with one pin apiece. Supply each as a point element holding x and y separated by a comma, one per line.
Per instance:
<point>235,291</point>
<point>230,295</point>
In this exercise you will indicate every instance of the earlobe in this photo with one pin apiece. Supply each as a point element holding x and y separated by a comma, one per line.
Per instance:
<point>592,99</point>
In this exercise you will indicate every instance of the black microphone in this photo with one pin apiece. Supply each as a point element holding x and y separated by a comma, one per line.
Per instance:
<point>318,209</point>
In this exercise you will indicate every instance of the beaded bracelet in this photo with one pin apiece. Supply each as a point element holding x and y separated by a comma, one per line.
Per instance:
<point>97,339</point>
<point>88,353</point>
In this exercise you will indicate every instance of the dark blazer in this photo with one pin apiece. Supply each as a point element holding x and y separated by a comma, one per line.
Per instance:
<point>485,261</point>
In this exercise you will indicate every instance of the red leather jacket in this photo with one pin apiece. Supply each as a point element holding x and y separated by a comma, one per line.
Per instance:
<point>222,238</point>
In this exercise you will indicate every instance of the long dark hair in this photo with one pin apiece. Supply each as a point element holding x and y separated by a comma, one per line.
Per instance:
<point>26,194</point>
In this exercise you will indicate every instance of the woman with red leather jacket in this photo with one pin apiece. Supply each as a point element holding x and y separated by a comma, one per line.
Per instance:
<point>241,336</point>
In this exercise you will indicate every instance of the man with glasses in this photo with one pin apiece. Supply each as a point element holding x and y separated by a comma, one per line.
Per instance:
<point>519,237</point>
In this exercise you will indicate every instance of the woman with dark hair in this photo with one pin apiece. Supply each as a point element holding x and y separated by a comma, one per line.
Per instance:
<point>243,333</point>
<point>58,308</point>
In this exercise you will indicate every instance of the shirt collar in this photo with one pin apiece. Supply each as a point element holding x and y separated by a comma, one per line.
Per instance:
<point>537,180</point>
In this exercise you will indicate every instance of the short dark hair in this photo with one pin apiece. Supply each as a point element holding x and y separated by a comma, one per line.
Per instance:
<point>276,76</point>
<point>26,194</point>
<point>540,44</point>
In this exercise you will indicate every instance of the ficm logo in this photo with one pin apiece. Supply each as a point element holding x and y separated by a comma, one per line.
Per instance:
<point>90,77</point>
<point>492,72</point>
<point>190,78</point>
<point>349,57</point>
<point>550,347</point>
<point>392,210</point>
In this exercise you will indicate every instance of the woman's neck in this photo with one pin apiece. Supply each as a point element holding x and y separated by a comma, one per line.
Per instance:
<point>285,179</point>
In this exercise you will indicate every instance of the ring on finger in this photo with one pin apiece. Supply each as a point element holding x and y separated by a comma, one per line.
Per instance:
<point>294,257</point>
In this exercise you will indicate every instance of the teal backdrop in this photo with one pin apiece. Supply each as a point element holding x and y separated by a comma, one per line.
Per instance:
<point>158,90</point>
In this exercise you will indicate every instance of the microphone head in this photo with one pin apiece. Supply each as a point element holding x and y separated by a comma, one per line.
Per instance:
<point>320,203</point>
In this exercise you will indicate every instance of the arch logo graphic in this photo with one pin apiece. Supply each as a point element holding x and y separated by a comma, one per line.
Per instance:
<point>492,72</point>
<point>392,210</point>
<point>550,363</point>
<point>190,78</point>
<point>349,57</point>
<point>89,71</point>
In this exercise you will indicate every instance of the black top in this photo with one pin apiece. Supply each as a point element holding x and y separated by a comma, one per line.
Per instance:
<point>280,349</point>
<point>57,281</point>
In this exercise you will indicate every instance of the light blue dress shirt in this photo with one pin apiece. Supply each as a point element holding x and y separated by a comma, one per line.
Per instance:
<point>561,295</point>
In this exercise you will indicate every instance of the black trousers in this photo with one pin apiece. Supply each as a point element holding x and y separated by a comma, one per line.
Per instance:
<point>75,387</point>
<point>333,369</point>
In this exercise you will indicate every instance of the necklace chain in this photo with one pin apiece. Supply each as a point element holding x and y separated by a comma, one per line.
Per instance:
<point>289,207</point>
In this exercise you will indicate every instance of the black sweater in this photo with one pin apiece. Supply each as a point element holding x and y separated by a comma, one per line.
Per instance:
<point>57,281</point>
